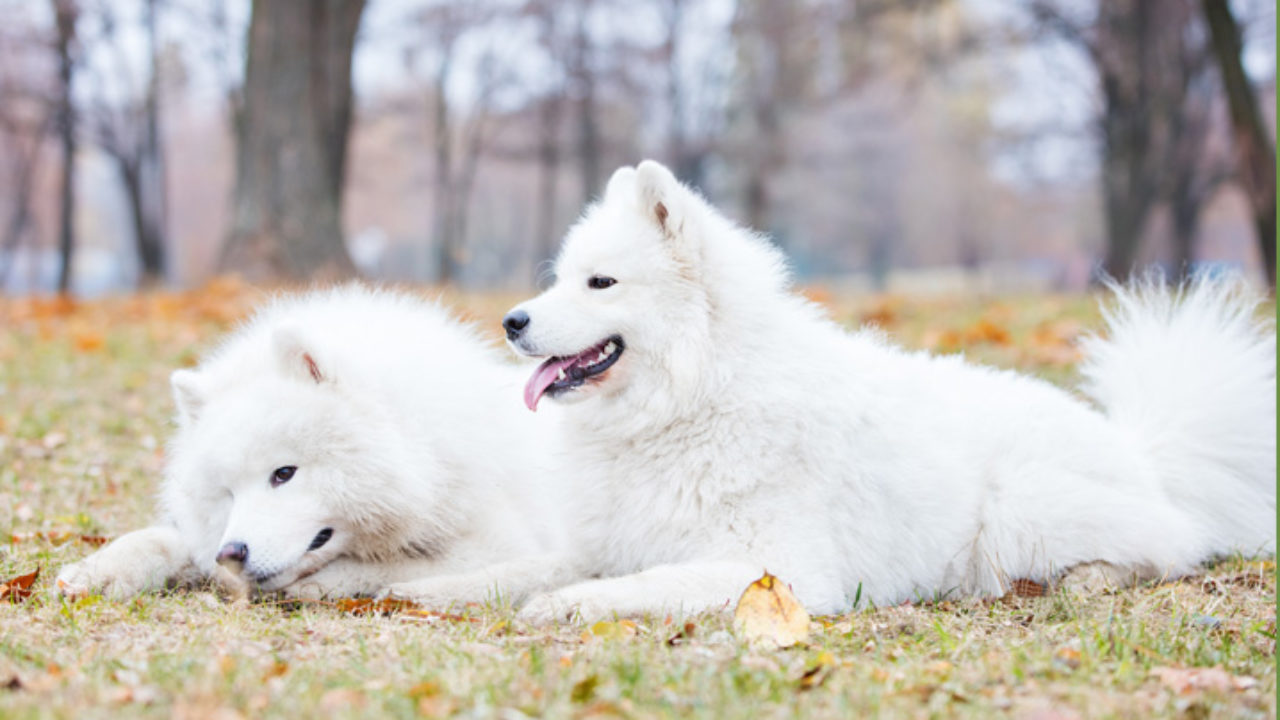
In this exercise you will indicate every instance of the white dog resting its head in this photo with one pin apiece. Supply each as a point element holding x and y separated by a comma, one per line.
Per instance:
<point>338,442</point>
<point>718,424</point>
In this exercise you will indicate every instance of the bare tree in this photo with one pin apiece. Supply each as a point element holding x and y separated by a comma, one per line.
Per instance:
<point>66,14</point>
<point>292,141</point>
<point>1255,151</point>
<point>776,61</point>
<point>694,103</point>
<point>1147,55</point>
<point>550,109</point>
<point>123,120</point>
<point>1197,172</point>
<point>583,90</point>
<point>459,134</point>
<point>26,140</point>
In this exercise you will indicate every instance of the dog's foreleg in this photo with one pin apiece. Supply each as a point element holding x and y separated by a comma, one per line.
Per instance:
<point>685,588</point>
<point>511,581</point>
<point>141,561</point>
<point>350,577</point>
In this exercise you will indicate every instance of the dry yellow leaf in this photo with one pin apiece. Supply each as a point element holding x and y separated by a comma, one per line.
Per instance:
<point>619,630</point>
<point>768,613</point>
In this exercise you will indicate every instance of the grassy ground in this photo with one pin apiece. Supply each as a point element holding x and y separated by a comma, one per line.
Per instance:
<point>84,410</point>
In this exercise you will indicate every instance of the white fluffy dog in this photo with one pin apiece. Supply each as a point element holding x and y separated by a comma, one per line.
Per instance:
<point>716,425</point>
<point>340,441</point>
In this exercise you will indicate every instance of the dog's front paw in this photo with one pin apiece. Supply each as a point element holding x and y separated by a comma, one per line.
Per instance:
<point>92,576</point>
<point>564,606</point>
<point>547,609</point>
<point>431,593</point>
<point>73,581</point>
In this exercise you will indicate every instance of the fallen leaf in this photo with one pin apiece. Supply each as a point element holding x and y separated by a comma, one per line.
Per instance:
<point>816,294</point>
<point>884,315</point>
<point>385,606</point>
<point>276,669</point>
<point>86,339</point>
<point>946,340</point>
<point>18,589</point>
<point>1067,657</point>
<point>769,613</point>
<point>58,537</point>
<point>684,636</point>
<point>584,689</point>
<point>426,688</point>
<point>985,331</point>
<point>610,630</point>
<point>437,706</point>
<point>1023,587</point>
<point>818,672</point>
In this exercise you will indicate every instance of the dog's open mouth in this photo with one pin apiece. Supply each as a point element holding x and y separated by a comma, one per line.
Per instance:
<point>559,374</point>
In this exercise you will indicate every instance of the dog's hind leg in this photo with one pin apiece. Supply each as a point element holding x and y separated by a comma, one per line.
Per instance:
<point>141,561</point>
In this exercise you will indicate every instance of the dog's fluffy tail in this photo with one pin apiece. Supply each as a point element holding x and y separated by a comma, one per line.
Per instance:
<point>1191,373</point>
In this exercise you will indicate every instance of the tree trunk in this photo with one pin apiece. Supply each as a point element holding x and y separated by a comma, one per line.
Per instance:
<point>548,174</point>
<point>1129,188</point>
<point>149,244</point>
<point>445,227</point>
<point>1255,153</point>
<point>152,193</point>
<point>292,141</point>
<point>24,170</point>
<point>66,13</point>
<point>588,124</point>
<point>1186,217</point>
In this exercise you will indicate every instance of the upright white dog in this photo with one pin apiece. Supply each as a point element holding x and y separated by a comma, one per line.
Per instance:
<point>339,441</point>
<point>718,425</point>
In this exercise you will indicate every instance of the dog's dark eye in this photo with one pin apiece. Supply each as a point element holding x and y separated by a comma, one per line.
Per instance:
<point>283,475</point>
<point>600,282</point>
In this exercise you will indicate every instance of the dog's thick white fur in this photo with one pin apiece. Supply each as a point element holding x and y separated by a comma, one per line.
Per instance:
<point>740,430</point>
<point>413,456</point>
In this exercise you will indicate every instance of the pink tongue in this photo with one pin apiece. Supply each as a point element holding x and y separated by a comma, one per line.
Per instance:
<point>546,374</point>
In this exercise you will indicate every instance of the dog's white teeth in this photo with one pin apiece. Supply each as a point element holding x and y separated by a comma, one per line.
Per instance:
<point>608,349</point>
<point>602,356</point>
<point>561,374</point>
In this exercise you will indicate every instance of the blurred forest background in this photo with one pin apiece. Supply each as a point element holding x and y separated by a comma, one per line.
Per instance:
<point>911,145</point>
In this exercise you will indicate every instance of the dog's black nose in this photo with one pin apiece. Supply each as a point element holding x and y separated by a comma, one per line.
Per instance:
<point>514,322</point>
<point>234,551</point>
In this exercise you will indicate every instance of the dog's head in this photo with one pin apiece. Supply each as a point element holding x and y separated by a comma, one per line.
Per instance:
<point>629,310</point>
<point>282,467</point>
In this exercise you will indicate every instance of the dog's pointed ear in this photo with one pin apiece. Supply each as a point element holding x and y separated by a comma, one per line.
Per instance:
<point>188,394</point>
<point>621,184</point>
<point>661,197</point>
<point>296,356</point>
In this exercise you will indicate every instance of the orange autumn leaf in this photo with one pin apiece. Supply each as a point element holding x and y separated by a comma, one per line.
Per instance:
<point>85,339</point>
<point>18,589</point>
<point>884,315</point>
<point>1023,587</point>
<point>985,331</point>
<point>946,340</point>
<point>58,537</point>
<point>817,294</point>
<point>385,606</point>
